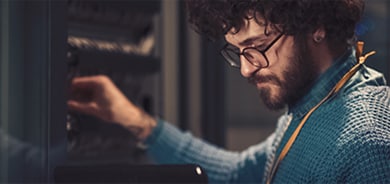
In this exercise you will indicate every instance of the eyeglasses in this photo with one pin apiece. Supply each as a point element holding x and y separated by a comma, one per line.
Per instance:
<point>254,55</point>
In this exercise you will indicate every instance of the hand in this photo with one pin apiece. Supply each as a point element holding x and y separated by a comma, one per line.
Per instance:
<point>98,96</point>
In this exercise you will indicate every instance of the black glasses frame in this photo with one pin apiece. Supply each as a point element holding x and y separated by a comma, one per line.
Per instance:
<point>233,63</point>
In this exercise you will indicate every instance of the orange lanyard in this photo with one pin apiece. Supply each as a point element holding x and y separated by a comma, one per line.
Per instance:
<point>336,88</point>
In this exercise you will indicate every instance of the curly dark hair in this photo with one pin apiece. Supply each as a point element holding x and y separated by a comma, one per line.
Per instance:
<point>294,17</point>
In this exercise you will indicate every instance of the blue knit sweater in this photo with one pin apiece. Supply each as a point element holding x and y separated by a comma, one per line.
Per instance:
<point>346,140</point>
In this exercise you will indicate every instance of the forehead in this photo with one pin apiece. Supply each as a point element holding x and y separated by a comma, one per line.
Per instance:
<point>252,28</point>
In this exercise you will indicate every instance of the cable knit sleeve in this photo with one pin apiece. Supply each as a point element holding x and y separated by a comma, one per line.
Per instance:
<point>372,163</point>
<point>368,146</point>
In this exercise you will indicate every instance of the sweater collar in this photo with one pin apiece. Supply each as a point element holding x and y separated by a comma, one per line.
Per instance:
<point>324,84</point>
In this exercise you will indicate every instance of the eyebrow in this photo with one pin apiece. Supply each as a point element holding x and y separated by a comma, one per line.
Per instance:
<point>250,40</point>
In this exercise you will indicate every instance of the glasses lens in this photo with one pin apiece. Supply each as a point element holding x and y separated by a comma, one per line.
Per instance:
<point>231,57</point>
<point>255,57</point>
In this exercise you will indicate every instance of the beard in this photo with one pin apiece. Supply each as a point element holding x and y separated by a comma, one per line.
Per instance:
<point>298,78</point>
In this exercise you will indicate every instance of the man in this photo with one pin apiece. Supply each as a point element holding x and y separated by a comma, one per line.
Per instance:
<point>297,53</point>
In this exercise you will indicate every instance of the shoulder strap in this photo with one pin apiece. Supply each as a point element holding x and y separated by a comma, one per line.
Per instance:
<point>361,59</point>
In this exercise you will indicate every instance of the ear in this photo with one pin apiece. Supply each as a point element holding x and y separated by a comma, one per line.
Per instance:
<point>319,35</point>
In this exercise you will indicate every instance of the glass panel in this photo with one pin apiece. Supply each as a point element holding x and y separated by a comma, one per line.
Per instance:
<point>26,108</point>
<point>22,126</point>
<point>3,87</point>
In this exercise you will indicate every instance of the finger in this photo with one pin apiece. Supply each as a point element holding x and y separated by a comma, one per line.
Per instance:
<point>86,108</point>
<point>84,82</point>
<point>83,88</point>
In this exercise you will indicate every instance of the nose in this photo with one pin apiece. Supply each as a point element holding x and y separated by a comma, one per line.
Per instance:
<point>247,69</point>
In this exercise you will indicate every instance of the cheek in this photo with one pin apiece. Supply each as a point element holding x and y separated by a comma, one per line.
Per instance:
<point>281,60</point>
<point>286,58</point>
<point>281,68</point>
<point>286,51</point>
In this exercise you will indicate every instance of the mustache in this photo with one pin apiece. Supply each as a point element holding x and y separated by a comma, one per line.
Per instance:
<point>262,79</point>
